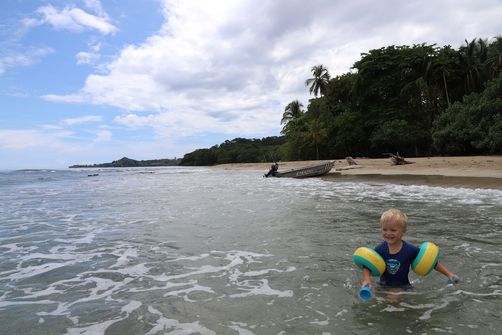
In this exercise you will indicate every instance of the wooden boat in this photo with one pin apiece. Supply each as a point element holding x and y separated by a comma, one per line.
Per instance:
<point>303,172</point>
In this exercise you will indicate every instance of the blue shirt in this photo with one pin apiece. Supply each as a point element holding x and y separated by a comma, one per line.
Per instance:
<point>397,266</point>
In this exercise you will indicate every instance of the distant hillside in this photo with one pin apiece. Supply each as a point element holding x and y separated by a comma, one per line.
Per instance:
<point>238,150</point>
<point>128,162</point>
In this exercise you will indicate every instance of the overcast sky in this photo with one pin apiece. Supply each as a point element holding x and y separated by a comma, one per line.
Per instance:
<point>92,81</point>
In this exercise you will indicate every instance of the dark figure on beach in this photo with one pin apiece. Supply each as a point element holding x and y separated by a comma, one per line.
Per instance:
<point>272,171</point>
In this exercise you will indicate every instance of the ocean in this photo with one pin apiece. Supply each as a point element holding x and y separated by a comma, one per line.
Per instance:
<point>211,251</point>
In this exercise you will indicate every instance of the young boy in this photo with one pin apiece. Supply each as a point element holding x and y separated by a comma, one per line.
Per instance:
<point>397,253</point>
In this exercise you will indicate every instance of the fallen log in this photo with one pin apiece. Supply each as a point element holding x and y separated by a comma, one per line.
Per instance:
<point>397,159</point>
<point>350,160</point>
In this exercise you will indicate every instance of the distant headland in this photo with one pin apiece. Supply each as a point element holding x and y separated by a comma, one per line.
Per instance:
<point>128,162</point>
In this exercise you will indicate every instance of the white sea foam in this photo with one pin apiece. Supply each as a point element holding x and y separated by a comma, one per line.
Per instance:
<point>131,306</point>
<point>35,270</point>
<point>494,293</point>
<point>240,331</point>
<point>324,322</point>
<point>259,287</point>
<point>89,238</point>
<point>176,327</point>
<point>267,271</point>
<point>187,291</point>
<point>7,303</point>
<point>125,257</point>
<point>94,329</point>
<point>11,247</point>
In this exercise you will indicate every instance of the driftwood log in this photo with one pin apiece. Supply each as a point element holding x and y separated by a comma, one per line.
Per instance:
<point>350,161</point>
<point>397,159</point>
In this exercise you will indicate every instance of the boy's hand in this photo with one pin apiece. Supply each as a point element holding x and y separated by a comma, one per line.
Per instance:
<point>366,281</point>
<point>453,278</point>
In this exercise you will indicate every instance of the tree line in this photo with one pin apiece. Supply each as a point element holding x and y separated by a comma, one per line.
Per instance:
<point>238,150</point>
<point>128,162</point>
<point>418,100</point>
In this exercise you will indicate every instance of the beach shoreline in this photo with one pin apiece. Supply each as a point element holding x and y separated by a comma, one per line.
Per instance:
<point>460,171</point>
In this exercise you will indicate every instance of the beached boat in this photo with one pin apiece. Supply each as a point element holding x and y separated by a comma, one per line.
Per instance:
<point>303,172</point>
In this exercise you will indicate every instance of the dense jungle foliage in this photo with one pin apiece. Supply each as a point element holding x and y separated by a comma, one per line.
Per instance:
<point>239,150</point>
<point>417,100</point>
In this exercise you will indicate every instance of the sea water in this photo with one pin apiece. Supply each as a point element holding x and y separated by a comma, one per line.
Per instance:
<point>212,251</point>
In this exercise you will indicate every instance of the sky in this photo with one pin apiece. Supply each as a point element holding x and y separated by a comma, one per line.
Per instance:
<point>90,81</point>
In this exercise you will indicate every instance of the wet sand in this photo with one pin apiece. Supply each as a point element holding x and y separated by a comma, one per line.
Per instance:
<point>470,171</point>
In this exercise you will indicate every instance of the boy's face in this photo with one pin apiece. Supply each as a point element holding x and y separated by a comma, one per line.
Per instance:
<point>392,232</point>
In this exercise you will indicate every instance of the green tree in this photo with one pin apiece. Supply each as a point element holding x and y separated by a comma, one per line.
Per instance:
<point>494,60</point>
<point>396,83</point>
<point>472,57</point>
<point>349,137</point>
<point>319,81</point>
<point>292,112</point>
<point>316,132</point>
<point>472,126</point>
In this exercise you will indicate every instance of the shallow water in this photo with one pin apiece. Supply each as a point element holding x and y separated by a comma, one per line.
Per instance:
<point>206,251</point>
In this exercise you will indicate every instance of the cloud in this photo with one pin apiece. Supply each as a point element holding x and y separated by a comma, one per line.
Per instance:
<point>103,135</point>
<point>12,58</point>
<point>95,5</point>
<point>84,57</point>
<point>73,19</point>
<point>89,57</point>
<point>33,148</point>
<point>231,67</point>
<point>82,119</point>
<point>24,139</point>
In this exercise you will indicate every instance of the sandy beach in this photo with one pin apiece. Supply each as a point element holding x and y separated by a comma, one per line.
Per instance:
<point>469,171</point>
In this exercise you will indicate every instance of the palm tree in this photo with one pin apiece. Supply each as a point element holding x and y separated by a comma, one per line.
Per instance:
<point>292,112</point>
<point>444,73</point>
<point>494,61</point>
<point>472,57</point>
<point>320,80</point>
<point>317,133</point>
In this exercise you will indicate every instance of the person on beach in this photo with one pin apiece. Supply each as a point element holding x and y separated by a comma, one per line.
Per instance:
<point>397,253</point>
<point>272,171</point>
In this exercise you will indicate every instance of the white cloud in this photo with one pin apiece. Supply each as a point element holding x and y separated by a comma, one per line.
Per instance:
<point>12,59</point>
<point>96,6</point>
<point>33,148</point>
<point>73,19</point>
<point>24,139</point>
<point>82,119</point>
<point>85,57</point>
<point>231,67</point>
<point>103,135</point>
<point>89,57</point>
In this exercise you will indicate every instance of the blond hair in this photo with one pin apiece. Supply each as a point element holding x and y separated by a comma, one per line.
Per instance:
<point>395,215</point>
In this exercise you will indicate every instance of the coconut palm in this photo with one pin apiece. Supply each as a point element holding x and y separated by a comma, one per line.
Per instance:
<point>472,57</point>
<point>292,112</point>
<point>320,80</point>
<point>494,61</point>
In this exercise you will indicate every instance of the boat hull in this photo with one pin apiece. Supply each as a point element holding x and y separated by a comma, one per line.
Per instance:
<point>307,171</point>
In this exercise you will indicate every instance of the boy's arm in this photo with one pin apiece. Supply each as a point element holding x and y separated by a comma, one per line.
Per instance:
<point>451,276</point>
<point>367,278</point>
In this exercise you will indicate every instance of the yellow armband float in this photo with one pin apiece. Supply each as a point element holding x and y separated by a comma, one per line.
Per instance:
<point>368,258</point>
<point>426,259</point>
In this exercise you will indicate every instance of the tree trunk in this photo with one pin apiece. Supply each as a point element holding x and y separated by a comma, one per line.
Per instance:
<point>446,90</point>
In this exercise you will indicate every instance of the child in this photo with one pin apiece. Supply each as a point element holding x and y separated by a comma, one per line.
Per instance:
<point>397,253</point>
